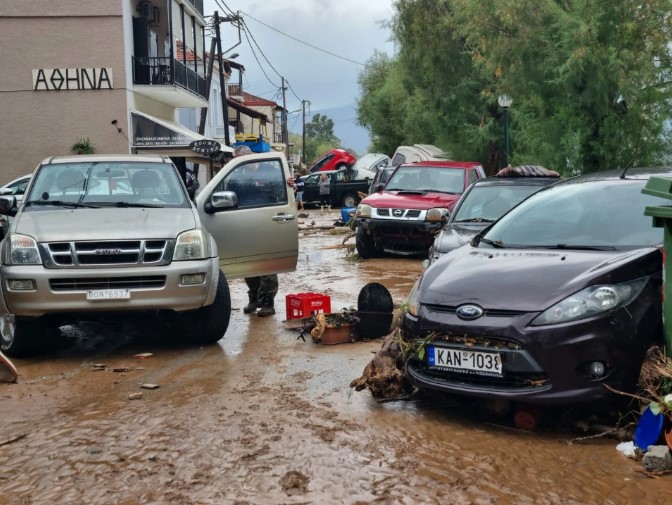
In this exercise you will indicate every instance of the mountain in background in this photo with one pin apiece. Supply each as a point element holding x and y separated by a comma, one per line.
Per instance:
<point>346,128</point>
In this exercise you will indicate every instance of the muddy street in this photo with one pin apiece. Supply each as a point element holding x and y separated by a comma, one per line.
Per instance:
<point>266,418</point>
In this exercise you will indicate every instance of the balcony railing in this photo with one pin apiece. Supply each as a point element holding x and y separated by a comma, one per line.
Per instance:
<point>277,138</point>
<point>159,72</point>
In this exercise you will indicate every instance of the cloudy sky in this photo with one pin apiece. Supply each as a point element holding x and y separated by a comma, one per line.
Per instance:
<point>350,29</point>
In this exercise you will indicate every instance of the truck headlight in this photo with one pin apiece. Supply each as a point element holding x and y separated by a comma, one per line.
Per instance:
<point>590,302</point>
<point>23,250</point>
<point>190,245</point>
<point>435,215</point>
<point>363,211</point>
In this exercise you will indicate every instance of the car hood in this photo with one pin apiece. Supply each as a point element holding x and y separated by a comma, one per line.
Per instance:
<point>454,236</point>
<point>528,279</point>
<point>104,223</point>
<point>411,200</point>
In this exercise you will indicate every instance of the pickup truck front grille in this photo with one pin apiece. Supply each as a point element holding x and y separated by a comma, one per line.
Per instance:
<point>83,284</point>
<point>399,213</point>
<point>107,253</point>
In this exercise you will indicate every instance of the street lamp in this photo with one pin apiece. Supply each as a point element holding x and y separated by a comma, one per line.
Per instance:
<point>505,102</point>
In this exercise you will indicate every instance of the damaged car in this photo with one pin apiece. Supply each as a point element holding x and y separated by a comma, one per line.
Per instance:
<point>556,303</point>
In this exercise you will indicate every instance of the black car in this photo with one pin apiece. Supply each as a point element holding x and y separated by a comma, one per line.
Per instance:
<point>558,298</point>
<point>344,189</point>
<point>485,201</point>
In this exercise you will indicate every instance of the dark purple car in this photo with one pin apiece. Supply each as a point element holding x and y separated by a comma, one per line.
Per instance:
<point>557,299</point>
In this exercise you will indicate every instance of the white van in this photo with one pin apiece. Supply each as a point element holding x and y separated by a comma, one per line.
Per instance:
<point>418,152</point>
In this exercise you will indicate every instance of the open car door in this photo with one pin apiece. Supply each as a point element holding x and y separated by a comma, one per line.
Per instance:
<point>249,209</point>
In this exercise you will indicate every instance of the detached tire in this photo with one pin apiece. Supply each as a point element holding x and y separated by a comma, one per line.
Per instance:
<point>208,324</point>
<point>366,247</point>
<point>349,200</point>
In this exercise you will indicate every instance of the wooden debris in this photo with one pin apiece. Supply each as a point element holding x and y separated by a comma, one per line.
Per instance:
<point>13,439</point>
<point>320,325</point>
<point>135,396</point>
<point>383,376</point>
<point>143,355</point>
<point>149,386</point>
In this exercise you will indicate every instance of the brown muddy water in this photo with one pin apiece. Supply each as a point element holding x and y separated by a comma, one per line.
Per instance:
<point>266,418</point>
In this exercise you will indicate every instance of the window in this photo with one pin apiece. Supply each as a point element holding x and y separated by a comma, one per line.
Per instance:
<point>257,184</point>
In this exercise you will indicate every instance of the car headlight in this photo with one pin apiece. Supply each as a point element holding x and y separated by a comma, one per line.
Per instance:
<point>363,211</point>
<point>412,304</point>
<point>436,214</point>
<point>590,302</point>
<point>190,245</point>
<point>23,250</point>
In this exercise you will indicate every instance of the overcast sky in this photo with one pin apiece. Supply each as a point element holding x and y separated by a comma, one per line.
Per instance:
<point>350,29</point>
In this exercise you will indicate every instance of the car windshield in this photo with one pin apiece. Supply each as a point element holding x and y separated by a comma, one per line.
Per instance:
<point>486,203</point>
<point>423,178</point>
<point>581,214</point>
<point>108,183</point>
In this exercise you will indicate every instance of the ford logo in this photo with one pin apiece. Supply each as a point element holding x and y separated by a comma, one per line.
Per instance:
<point>107,251</point>
<point>397,212</point>
<point>469,312</point>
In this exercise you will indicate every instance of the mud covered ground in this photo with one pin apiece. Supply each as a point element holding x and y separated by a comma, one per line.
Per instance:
<point>264,418</point>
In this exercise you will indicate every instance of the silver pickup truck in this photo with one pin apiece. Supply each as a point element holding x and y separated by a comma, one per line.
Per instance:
<point>101,234</point>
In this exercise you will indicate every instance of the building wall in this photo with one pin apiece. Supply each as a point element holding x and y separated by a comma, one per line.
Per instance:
<point>35,34</point>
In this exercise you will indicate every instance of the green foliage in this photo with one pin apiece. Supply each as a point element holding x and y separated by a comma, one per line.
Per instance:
<point>320,137</point>
<point>82,146</point>
<point>589,81</point>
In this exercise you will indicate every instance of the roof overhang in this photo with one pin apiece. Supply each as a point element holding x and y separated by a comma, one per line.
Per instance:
<point>246,110</point>
<point>173,95</point>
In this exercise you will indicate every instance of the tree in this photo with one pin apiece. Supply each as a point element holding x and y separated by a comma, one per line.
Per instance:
<point>589,81</point>
<point>320,137</point>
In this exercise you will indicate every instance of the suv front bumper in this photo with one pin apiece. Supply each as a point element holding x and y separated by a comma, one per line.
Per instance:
<point>63,290</point>
<point>391,234</point>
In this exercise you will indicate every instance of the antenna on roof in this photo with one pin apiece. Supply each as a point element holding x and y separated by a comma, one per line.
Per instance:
<point>629,165</point>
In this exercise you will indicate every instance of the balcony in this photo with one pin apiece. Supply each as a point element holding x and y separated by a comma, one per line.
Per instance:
<point>198,5</point>
<point>175,84</point>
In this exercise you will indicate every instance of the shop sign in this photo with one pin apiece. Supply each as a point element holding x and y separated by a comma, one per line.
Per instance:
<point>59,79</point>
<point>147,133</point>
<point>205,146</point>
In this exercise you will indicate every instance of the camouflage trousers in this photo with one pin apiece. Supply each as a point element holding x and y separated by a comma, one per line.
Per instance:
<point>262,289</point>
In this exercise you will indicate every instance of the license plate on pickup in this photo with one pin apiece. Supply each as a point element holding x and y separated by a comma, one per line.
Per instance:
<point>464,361</point>
<point>108,294</point>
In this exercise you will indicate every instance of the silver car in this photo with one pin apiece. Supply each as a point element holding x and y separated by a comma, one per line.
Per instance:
<point>100,234</point>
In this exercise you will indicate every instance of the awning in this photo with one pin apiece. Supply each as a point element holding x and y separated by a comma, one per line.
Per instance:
<point>161,136</point>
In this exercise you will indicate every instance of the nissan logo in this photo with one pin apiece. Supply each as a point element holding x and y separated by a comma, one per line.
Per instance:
<point>107,251</point>
<point>469,312</point>
<point>397,212</point>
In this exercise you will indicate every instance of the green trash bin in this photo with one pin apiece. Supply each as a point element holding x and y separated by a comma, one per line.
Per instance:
<point>662,218</point>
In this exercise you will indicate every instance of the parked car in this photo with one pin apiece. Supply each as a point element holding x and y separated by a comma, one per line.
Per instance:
<point>414,205</point>
<point>379,180</point>
<point>485,201</point>
<point>367,166</point>
<point>117,233</point>
<point>336,159</point>
<point>344,188</point>
<point>17,187</point>
<point>557,299</point>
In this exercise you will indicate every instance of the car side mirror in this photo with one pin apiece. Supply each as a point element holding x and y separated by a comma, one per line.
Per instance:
<point>221,200</point>
<point>8,206</point>
<point>378,188</point>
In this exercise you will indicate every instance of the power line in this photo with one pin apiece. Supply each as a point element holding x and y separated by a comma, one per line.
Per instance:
<point>258,62</point>
<point>303,42</point>
<point>247,31</point>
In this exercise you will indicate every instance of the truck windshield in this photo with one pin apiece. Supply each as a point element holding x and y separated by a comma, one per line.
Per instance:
<point>105,182</point>
<point>419,178</point>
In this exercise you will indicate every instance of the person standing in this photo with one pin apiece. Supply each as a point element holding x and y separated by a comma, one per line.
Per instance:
<point>298,188</point>
<point>261,290</point>
<point>325,197</point>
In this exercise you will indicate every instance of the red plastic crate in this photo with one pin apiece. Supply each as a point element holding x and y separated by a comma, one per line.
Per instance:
<point>306,304</point>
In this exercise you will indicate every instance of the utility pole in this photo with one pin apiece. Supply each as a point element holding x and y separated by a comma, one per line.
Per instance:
<point>303,142</point>
<point>285,133</point>
<point>208,81</point>
<point>222,82</point>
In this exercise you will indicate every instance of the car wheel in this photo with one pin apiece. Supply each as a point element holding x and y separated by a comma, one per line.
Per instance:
<point>349,200</point>
<point>366,247</point>
<point>22,337</point>
<point>208,324</point>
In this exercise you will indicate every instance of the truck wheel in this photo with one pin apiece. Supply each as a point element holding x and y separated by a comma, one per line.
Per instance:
<point>366,247</point>
<point>24,339</point>
<point>208,324</point>
<point>349,200</point>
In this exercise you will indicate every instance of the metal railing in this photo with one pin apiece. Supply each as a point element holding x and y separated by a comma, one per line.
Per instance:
<point>158,71</point>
